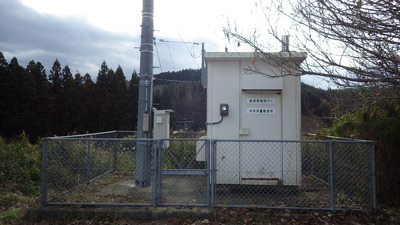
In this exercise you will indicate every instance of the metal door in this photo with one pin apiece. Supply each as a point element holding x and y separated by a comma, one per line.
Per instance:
<point>261,119</point>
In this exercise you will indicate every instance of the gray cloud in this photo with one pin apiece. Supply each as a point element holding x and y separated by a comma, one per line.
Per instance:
<point>29,35</point>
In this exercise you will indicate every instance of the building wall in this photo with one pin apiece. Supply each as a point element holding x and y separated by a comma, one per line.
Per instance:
<point>229,83</point>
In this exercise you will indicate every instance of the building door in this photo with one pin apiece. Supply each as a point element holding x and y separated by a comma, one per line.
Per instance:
<point>261,119</point>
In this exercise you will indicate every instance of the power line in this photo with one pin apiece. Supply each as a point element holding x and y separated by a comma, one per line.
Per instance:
<point>158,57</point>
<point>169,51</point>
<point>187,48</point>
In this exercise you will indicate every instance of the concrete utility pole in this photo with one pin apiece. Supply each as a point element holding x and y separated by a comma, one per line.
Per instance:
<point>203,67</point>
<point>145,103</point>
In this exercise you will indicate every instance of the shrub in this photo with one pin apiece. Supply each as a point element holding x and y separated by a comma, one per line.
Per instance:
<point>20,165</point>
<point>378,121</point>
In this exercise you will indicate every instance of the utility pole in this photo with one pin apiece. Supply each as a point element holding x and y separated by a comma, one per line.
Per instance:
<point>204,80</point>
<point>145,101</point>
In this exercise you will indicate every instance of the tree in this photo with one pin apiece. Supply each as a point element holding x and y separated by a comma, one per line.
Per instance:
<point>3,62</point>
<point>57,105</point>
<point>132,104</point>
<point>119,96</point>
<point>4,85</point>
<point>42,103</point>
<point>102,97</point>
<point>55,77</point>
<point>70,102</point>
<point>89,101</point>
<point>112,95</point>
<point>18,100</point>
<point>353,43</point>
<point>38,72</point>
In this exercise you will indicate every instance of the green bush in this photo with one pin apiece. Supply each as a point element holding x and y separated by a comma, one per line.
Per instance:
<point>20,165</point>
<point>378,121</point>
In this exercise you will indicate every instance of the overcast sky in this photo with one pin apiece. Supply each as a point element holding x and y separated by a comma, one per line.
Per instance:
<point>84,33</point>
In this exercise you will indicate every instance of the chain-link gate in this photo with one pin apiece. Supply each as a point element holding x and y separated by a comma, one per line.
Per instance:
<point>184,173</point>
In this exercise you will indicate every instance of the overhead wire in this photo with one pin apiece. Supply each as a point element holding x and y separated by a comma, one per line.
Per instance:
<point>169,51</point>
<point>190,53</point>
<point>158,55</point>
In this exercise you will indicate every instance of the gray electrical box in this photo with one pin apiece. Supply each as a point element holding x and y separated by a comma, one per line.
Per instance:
<point>162,124</point>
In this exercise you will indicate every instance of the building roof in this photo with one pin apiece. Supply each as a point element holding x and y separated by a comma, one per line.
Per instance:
<point>292,56</point>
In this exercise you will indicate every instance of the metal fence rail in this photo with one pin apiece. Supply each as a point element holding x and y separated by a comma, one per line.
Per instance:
<point>99,169</point>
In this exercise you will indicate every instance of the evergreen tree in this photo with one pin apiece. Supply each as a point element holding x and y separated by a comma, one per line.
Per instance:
<point>119,97</point>
<point>41,100</point>
<point>102,75</point>
<point>102,98</point>
<point>55,77</point>
<point>18,99</point>
<point>132,104</point>
<point>78,79</point>
<point>69,100</point>
<point>57,110</point>
<point>3,62</point>
<point>89,101</point>
<point>80,110</point>
<point>38,73</point>
<point>4,95</point>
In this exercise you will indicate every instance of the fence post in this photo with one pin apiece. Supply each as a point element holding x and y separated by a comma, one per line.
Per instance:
<point>156,170</point>
<point>88,159</point>
<point>115,152</point>
<point>373,177</point>
<point>43,188</point>
<point>208,168</point>
<point>213,175</point>
<point>331,175</point>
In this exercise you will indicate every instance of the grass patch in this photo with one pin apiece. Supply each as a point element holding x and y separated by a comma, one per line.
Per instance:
<point>12,213</point>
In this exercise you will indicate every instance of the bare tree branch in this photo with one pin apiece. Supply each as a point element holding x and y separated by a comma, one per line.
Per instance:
<point>353,43</point>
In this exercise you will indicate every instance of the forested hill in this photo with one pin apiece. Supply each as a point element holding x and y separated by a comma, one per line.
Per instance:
<point>182,92</point>
<point>178,76</point>
<point>58,102</point>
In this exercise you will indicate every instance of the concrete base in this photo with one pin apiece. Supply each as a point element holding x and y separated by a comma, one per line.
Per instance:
<point>175,190</point>
<point>131,213</point>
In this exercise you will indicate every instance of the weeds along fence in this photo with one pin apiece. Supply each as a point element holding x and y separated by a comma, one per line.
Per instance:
<point>100,169</point>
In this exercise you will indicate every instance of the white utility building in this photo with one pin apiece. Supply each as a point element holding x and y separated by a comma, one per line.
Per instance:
<point>255,97</point>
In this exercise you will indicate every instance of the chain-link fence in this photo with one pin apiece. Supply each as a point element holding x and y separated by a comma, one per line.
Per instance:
<point>100,169</point>
<point>296,174</point>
